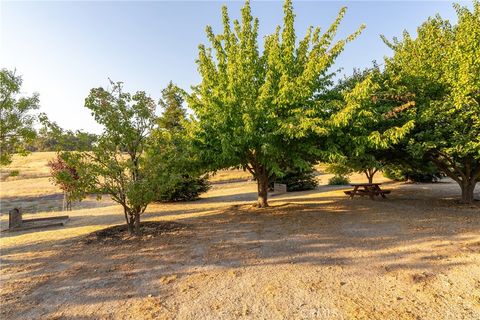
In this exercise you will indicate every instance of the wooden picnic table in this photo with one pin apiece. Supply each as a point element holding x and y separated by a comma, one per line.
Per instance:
<point>369,189</point>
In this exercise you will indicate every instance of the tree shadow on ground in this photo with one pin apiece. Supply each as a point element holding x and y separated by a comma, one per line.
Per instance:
<point>319,231</point>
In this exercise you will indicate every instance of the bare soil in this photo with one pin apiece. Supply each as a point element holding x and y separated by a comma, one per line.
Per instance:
<point>311,255</point>
<point>148,229</point>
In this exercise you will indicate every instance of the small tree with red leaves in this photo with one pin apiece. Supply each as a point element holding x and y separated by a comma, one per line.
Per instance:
<point>66,177</point>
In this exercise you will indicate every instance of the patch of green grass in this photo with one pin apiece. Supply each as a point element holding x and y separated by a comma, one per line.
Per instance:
<point>14,173</point>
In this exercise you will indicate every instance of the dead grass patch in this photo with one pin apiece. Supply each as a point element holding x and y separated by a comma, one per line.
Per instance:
<point>120,233</point>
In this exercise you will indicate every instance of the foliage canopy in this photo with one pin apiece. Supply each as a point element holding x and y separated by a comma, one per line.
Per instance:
<point>16,119</point>
<point>190,180</point>
<point>440,68</point>
<point>254,106</point>
<point>367,125</point>
<point>118,164</point>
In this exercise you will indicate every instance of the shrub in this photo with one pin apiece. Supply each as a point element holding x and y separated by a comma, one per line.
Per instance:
<point>338,180</point>
<point>425,174</point>
<point>188,189</point>
<point>297,180</point>
<point>14,173</point>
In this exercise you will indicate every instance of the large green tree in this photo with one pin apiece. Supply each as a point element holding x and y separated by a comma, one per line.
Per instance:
<point>255,108</point>
<point>368,124</point>
<point>16,118</point>
<point>441,69</point>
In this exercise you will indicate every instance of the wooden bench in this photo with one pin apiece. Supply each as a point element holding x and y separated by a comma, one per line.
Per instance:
<point>17,223</point>
<point>359,192</point>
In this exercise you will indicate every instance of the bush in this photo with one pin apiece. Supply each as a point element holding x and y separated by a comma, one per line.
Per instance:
<point>338,180</point>
<point>188,189</point>
<point>14,173</point>
<point>394,173</point>
<point>425,175</point>
<point>297,180</point>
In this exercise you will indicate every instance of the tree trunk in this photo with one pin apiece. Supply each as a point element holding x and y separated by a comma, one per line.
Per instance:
<point>370,178</point>
<point>131,226</point>
<point>468,188</point>
<point>137,224</point>
<point>129,221</point>
<point>370,173</point>
<point>64,200</point>
<point>262,184</point>
<point>466,176</point>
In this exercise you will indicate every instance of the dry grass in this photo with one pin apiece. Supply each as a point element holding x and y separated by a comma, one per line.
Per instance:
<point>32,166</point>
<point>312,255</point>
<point>232,175</point>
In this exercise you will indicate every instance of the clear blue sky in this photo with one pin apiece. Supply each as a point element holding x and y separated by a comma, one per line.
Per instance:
<point>62,49</point>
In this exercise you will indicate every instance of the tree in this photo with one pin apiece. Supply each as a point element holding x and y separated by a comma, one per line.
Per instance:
<point>174,113</point>
<point>66,177</point>
<point>256,109</point>
<point>171,130</point>
<point>366,163</point>
<point>368,124</point>
<point>118,165</point>
<point>441,69</point>
<point>16,129</point>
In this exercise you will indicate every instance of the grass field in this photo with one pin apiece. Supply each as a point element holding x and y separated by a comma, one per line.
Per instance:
<point>311,255</point>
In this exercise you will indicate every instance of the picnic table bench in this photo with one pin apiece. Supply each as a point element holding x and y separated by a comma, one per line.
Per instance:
<point>369,189</point>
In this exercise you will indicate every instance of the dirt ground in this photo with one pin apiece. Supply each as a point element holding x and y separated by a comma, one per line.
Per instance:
<point>311,255</point>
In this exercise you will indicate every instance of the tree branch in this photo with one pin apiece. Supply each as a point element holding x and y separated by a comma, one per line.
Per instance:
<point>446,170</point>
<point>453,164</point>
